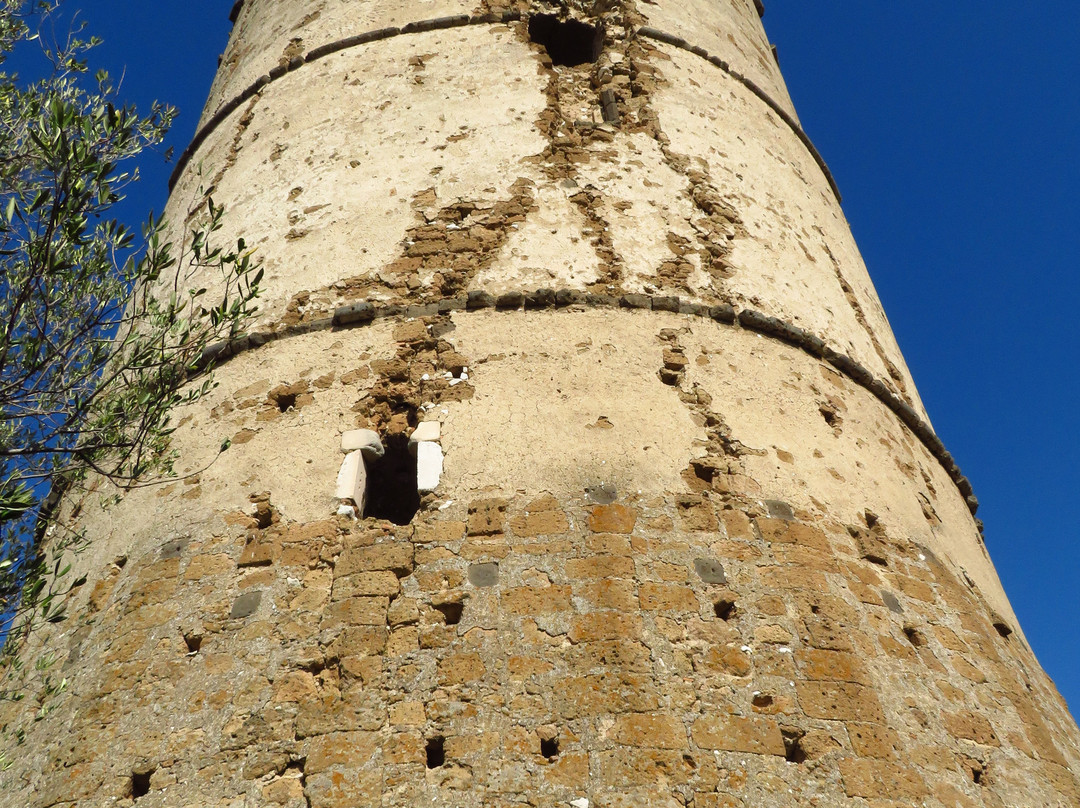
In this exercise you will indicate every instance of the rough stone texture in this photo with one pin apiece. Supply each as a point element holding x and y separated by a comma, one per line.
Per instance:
<point>672,559</point>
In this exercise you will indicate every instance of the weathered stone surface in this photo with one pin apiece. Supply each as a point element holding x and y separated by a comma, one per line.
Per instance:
<point>677,555</point>
<point>760,736</point>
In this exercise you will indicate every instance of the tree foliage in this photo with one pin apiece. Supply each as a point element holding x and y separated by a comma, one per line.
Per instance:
<point>99,333</point>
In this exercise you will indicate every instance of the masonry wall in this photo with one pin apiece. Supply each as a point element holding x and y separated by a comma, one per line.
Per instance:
<point>693,542</point>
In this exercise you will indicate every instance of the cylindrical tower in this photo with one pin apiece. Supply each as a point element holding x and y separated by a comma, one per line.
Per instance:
<point>573,459</point>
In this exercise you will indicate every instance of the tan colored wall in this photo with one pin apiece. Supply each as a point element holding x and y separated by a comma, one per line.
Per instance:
<point>672,559</point>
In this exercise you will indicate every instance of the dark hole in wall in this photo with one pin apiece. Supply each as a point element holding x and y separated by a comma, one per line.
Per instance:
<point>436,754</point>
<point>391,489</point>
<point>549,748</point>
<point>140,784</point>
<point>193,642</point>
<point>725,609</point>
<point>285,402</point>
<point>451,611</point>
<point>793,751</point>
<point>1003,628</point>
<point>569,43</point>
<point>914,636</point>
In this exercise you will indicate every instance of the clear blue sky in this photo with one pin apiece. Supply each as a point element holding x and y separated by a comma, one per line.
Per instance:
<point>953,132</point>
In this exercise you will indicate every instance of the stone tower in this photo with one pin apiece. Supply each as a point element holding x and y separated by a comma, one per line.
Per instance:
<point>573,459</point>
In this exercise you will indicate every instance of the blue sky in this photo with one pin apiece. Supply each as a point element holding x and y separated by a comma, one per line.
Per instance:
<point>953,132</point>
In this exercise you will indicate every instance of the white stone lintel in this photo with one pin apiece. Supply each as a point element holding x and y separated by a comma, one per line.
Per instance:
<point>363,440</point>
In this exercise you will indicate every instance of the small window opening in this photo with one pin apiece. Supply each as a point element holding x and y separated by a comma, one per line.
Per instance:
<point>285,401</point>
<point>914,636</point>
<point>725,609</point>
<point>193,642</point>
<point>793,750</point>
<point>140,783</point>
<point>1003,628</point>
<point>296,768</point>
<point>549,748</point>
<point>451,611</point>
<point>436,754</point>
<point>568,43</point>
<point>976,776</point>
<point>264,515</point>
<point>391,488</point>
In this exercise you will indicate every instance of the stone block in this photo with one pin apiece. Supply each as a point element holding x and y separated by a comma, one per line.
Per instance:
<point>205,565</point>
<point>407,713</point>
<point>881,779</point>
<point>359,611</point>
<point>340,749</point>
<point>527,600</point>
<point>604,566</point>
<point>596,626</point>
<point>841,701</point>
<point>245,605</point>
<point>604,693</point>
<point>366,441</point>
<point>609,593</point>
<point>484,575</point>
<point>873,740</point>
<point>425,431</point>
<point>623,655</point>
<point>667,597</point>
<point>394,556</point>
<point>710,570</point>
<point>823,665</point>
<point>655,731</point>
<point>352,479</point>
<point>380,582</point>
<point>733,733</point>
<point>456,669</point>
<point>403,611</point>
<point>358,641</point>
<point>540,523</point>
<point>486,517</point>
<point>785,532</point>
<point>429,465</point>
<point>442,532</point>
<point>612,518</point>
<point>972,727</point>
<point>259,551</point>
<point>730,660</point>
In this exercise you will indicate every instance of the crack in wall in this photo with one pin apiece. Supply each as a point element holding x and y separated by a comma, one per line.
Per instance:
<point>860,317</point>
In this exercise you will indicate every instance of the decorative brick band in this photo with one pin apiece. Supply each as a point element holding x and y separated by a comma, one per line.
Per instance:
<point>682,44</point>
<point>361,314</point>
<point>458,21</point>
